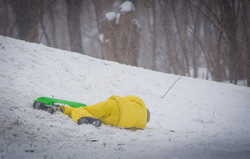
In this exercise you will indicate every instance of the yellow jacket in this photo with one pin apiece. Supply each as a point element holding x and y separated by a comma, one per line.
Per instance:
<point>126,112</point>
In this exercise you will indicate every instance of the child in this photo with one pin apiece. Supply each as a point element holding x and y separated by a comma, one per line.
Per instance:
<point>125,112</point>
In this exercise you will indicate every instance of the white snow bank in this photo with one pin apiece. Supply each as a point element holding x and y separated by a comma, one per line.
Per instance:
<point>196,119</point>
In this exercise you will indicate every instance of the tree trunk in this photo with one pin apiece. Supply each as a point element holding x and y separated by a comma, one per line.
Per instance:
<point>246,31</point>
<point>166,25</point>
<point>53,27</point>
<point>229,22</point>
<point>153,36</point>
<point>27,14</point>
<point>185,67</point>
<point>74,25</point>
<point>121,39</point>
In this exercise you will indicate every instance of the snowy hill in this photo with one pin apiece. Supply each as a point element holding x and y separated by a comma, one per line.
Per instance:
<point>196,119</point>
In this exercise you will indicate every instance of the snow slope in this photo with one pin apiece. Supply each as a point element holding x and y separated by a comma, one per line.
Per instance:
<point>196,119</point>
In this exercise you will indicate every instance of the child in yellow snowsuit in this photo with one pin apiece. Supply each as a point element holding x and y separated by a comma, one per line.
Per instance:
<point>125,112</point>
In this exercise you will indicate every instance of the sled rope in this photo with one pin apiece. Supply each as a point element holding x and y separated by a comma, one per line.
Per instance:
<point>171,86</point>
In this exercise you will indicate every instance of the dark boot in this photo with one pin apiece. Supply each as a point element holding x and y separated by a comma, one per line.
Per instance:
<point>41,106</point>
<point>89,120</point>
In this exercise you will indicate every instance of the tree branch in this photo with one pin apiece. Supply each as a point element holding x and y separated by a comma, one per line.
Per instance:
<point>171,86</point>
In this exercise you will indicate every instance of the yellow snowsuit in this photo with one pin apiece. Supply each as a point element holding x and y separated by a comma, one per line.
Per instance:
<point>126,112</point>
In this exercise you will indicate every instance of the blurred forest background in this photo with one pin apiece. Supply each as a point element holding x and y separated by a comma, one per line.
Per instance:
<point>207,39</point>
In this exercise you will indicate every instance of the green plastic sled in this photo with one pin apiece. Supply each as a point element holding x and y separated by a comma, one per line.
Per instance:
<point>58,102</point>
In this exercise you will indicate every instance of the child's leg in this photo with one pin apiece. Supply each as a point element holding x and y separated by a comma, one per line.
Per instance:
<point>108,112</point>
<point>75,113</point>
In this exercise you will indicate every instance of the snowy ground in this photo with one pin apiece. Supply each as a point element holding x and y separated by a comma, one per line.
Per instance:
<point>196,119</point>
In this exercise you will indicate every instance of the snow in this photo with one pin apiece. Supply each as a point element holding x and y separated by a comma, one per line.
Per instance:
<point>110,16</point>
<point>101,37</point>
<point>127,6</point>
<point>137,23</point>
<point>118,15</point>
<point>196,119</point>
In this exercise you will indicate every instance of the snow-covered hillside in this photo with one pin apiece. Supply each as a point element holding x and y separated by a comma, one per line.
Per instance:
<point>196,119</point>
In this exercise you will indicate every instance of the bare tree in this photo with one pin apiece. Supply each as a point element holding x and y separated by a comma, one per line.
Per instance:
<point>100,8</point>
<point>152,30</point>
<point>121,35</point>
<point>28,15</point>
<point>246,36</point>
<point>51,13</point>
<point>5,18</point>
<point>181,26</point>
<point>196,27</point>
<point>212,39</point>
<point>229,11</point>
<point>166,21</point>
<point>73,13</point>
